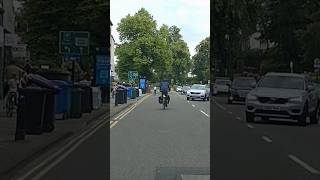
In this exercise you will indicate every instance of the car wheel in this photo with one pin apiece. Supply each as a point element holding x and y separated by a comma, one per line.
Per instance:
<point>314,116</point>
<point>229,101</point>
<point>302,119</point>
<point>249,117</point>
<point>188,98</point>
<point>265,118</point>
<point>204,99</point>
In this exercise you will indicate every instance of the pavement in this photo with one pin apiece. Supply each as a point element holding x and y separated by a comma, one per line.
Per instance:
<point>15,155</point>
<point>264,150</point>
<point>146,143</point>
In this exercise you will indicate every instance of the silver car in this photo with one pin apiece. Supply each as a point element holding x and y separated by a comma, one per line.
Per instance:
<point>283,95</point>
<point>198,91</point>
<point>221,86</point>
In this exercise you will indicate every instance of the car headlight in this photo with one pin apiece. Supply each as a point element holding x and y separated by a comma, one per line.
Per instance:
<point>296,99</point>
<point>251,97</point>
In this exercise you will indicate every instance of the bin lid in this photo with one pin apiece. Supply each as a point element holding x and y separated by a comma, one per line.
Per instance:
<point>61,83</point>
<point>42,82</point>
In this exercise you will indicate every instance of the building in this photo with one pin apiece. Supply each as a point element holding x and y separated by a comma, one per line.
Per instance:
<point>7,37</point>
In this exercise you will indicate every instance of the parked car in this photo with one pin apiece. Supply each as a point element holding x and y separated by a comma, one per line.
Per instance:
<point>221,86</point>
<point>185,89</point>
<point>178,89</point>
<point>283,95</point>
<point>240,87</point>
<point>198,91</point>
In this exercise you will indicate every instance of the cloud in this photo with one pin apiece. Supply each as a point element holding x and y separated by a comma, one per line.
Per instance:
<point>192,16</point>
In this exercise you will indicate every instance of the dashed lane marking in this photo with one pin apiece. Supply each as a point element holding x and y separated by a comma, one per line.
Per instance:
<point>250,126</point>
<point>304,165</point>
<point>204,113</point>
<point>266,139</point>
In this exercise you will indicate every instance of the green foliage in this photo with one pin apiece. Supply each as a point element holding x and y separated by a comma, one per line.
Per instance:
<point>156,54</point>
<point>201,60</point>
<point>41,22</point>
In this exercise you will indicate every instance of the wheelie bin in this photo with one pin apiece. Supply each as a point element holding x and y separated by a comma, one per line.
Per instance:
<point>96,98</point>
<point>33,111</point>
<point>63,99</point>
<point>86,98</point>
<point>76,107</point>
<point>50,89</point>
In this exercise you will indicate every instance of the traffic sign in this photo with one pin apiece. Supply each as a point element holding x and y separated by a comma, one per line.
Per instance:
<point>71,58</point>
<point>132,76</point>
<point>74,42</point>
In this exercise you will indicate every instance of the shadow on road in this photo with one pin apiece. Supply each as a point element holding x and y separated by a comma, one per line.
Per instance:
<point>277,122</point>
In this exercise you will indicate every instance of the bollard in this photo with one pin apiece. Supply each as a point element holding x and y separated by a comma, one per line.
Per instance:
<point>20,127</point>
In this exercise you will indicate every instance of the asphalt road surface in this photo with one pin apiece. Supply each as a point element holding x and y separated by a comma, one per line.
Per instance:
<point>264,150</point>
<point>151,143</point>
<point>146,143</point>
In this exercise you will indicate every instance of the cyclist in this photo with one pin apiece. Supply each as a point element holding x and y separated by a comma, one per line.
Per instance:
<point>164,89</point>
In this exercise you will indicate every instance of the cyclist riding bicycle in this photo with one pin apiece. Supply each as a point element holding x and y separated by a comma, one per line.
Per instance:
<point>164,89</point>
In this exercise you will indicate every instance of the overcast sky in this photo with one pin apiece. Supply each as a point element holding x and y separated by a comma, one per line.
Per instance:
<point>191,16</point>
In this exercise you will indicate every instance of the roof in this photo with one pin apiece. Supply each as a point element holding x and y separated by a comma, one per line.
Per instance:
<point>286,74</point>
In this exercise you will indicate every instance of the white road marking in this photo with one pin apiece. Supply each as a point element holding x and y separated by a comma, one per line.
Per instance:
<point>112,125</point>
<point>250,126</point>
<point>58,156</point>
<point>303,164</point>
<point>193,105</point>
<point>219,105</point>
<point>204,113</point>
<point>229,112</point>
<point>266,139</point>
<point>238,118</point>
<point>188,101</point>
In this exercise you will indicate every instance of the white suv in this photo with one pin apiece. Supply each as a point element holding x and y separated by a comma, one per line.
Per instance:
<point>283,95</point>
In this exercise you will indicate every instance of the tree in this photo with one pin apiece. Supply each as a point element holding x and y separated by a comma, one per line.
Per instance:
<point>156,54</point>
<point>42,21</point>
<point>201,60</point>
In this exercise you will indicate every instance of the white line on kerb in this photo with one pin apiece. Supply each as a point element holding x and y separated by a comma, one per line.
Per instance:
<point>266,139</point>
<point>204,113</point>
<point>303,164</point>
<point>250,126</point>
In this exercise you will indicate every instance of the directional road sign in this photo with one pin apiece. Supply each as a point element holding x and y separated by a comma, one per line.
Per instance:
<point>74,42</point>
<point>132,76</point>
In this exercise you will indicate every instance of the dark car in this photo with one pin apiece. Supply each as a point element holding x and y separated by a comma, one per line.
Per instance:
<point>239,88</point>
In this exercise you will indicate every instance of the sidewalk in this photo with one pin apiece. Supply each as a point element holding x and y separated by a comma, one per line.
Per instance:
<point>14,154</point>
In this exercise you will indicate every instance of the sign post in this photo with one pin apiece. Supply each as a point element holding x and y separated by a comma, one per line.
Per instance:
<point>316,65</point>
<point>291,66</point>
<point>73,44</point>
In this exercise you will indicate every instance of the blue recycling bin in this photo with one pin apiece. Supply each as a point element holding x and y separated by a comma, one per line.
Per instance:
<point>130,92</point>
<point>63,99</point>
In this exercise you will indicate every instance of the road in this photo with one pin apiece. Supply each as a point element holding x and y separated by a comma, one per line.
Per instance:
<point>274,149</point>
<point>146,143</point>
<point>151,143</point>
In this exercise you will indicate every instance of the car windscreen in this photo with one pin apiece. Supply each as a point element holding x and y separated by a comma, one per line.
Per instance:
<point>200,87</point>
<point>221,82</point>
<point>243,82</point>
<point>283,82</point>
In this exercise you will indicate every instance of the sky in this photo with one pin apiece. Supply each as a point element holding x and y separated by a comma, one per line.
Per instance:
<point>191,16</point>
